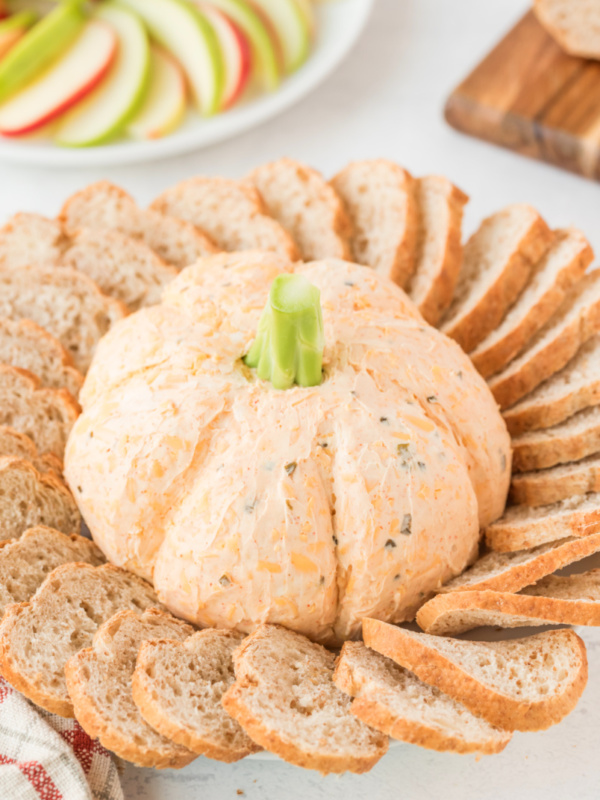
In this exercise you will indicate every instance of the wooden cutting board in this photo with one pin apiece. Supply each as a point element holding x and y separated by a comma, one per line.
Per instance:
<point>530,96</point>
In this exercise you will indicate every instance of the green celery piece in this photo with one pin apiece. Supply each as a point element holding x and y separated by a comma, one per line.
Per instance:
<point>24,19</point>
<point>289,342</point>
<point>40,46</point>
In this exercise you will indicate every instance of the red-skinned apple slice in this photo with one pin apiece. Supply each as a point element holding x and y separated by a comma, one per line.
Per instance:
<point>64,84</point>
<point>236,53</point>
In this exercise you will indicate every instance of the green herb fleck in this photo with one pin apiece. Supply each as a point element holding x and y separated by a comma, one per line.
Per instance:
<point>335,540</point>
<point>291,468</point>
<point>225,580</point>
<point>432,399</point>
<point>383,419</point>
<point>406,527</point>
<point>390,544</point>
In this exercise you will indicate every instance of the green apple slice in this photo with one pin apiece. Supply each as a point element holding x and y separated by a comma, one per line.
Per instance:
<point>182,29</point>
<point>40,46</point>
<point>165,102</point>
<point>291,28</point>
<point>108,109</point>
<point>14,28</point>
<point>264,53</point>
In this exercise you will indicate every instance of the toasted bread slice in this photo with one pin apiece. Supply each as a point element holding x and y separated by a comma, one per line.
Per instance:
<point>546,486</point>
<point>573,388</point>
<point>178,686</point>
<point>285,699</point>
<point>571,440</point>
<point>63,301</point>
<point>575,26</point>
<point>31,240</point>
<point>19,445</point>
<point>575,322</point>
<point>233,214</point>
<point>25,562</point>
<point>522,528</point>
<point>38,637</point>
<point>308,207</point>
<point>512,571</point>
<point>104,206</point>
<point>396,702</point>
<point>439,245</point>
<point>562,265</point>
<point>522,684</point>
<point>380,199</point>
<point>99,683</point>
<point>497,263</point>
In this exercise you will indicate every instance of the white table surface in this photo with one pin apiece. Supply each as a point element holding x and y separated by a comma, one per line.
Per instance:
<point>386,100</point>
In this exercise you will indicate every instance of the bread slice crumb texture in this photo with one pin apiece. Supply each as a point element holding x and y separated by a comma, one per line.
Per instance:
<point>571,440</point>
<point>575,26</point>
<point>547,486</point>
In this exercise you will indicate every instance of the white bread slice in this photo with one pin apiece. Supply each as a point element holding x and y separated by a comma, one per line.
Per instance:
<point>63,301</point>
<point>381,202</point>
<point>521,684</point>
<point>308,207</point>
<point>439,245</point>
<point>24,344</point>
<point>106,206</point>
<point>576,321</point>
<point>396,702</point>
<point>512,571</point>
<point>178,686</point>
<point>19,445</point>
<point>562,265</point>
<point>522,528</point>
<point>45,415</point>
<point>29,498</point>
<point>99,683</point>
<point>30,240</point>
<point>25,562</point>
<point>285,699</point>
<point>547,486</point>
<point>497,263</point>
<point>575,387</point>
<point>38,637</point>
<point>232,213</point>
<point>574,25</point>
<point>571,440</point>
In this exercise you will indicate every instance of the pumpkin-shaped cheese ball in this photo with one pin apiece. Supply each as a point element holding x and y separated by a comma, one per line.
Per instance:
<point>307,505</point>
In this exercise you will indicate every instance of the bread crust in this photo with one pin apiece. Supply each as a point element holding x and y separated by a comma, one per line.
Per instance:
<point>534,451</point>
<point>506,538</point>
<point>545,415</point>
<point>549,486</point>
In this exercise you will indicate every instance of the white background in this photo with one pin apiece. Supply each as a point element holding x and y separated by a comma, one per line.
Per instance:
<point>386,100</point>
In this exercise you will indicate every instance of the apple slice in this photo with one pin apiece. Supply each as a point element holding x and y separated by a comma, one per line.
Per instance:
<point>108,109</point>
<point>181,28</point>
<point>165,101</point>
<point>14,28</point>
<point>290,26</point>
<point>236,53</point>
<point>63,84</point>
<point>265,62</point>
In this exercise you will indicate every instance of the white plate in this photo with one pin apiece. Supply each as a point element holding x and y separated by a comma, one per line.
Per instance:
<point>339,24</point>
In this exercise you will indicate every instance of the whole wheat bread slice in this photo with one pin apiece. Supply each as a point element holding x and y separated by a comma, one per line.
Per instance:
<point>547,486</point>
<point>439,245</point>
<point>99,683</point>
<point>19,445</point>
<point>497,262</point>
<point>233,214</point>
<point>285,699</point>
<point>522,528</point>
<point>25,562</point>
<point>308,207</point>
<point>63,301</point>
<point>29,498</point>
<point>573,388</point>
<point>31,240</point>
<point>106,206</point>
<point>571,440</point>
<point>522,684</point>
<point>178,686</point>
<point>396,702</point>
<point>574,25</point>
<point>576,321</point>
<point>562,265</point>
<point>380,199</point>
<point>38,637</point>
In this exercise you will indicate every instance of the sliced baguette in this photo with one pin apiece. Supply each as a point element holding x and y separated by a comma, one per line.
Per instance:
<point>106,206</point>
<point>31,240</point>
<point>522,528</point>
<point>25,562</point>
<point>63,301</point>
<point>19,445</point>
<point>574,25</point>
<point>571,440</point>
<point>575,322</point>
<point>232,213</point>
<point>178,686</point>
<point>522,684</point>
<point>396,702</point>
<point>547,486</point>
<point>562,265</point>
<point>573,388</point>
<point>439,245</point>
<point>381,202</point>
<point>285,699</point>
<point>99,683</point>
<point>497,263</point>
<point>308,207</point>
<point>38,637</point>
